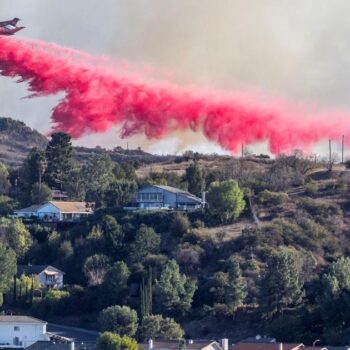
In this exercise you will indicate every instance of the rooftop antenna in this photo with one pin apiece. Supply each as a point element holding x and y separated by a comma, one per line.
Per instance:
<point>242,152</point>
<point>342,149</point>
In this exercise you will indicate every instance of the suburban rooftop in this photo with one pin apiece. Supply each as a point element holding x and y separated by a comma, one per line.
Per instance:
<point>20,319</point>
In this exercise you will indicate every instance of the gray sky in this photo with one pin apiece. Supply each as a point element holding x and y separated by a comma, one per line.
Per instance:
<point>295,49</point>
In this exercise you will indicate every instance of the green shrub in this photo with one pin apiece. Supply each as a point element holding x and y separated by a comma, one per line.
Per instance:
<point>320,209</point>
<point>111,341</point>
<point>271,198</point>
<point>157,327</point>
<point>311,189</point>
<point>54,303</point>
<point>119,319</point>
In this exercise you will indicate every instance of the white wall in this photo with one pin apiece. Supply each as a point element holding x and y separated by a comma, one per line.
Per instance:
<point>27,333</point>
<point>43,282</point>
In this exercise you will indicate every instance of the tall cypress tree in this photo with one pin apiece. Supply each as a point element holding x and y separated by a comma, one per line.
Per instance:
<point>59,155</point>
<point>146,295</point>
<point>281,286</point>
<point>195,179</point>
<point>236,288</point>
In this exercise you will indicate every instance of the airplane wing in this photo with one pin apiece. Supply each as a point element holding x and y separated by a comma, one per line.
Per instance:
<point>7,31</point>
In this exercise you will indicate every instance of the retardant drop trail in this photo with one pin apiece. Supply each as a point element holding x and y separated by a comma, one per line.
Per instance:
<point>97,99</point>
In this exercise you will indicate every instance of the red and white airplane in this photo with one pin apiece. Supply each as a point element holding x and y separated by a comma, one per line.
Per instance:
<point>10,27</point>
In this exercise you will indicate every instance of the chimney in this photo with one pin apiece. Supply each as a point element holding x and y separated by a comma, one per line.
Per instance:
<point>224,344</point>
<point>150,344</point>
<point>280,346</point>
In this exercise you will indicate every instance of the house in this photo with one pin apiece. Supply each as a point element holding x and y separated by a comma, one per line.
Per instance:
<point>188,345</point>
<point>256,345</point>
<point>157,197</point>
<point>49,277</point>
<point>57,211</point>
<point>20,332</point>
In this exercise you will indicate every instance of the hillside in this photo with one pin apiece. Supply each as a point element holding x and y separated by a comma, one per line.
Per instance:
<point>282,260</point>
<point>16,140</point>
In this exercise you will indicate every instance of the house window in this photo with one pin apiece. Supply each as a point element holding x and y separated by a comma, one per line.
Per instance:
<point>16,328</point>
<point>149,197</point>
<point>50,278</point>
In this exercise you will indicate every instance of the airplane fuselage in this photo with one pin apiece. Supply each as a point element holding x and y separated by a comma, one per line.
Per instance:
<point>10,27</point>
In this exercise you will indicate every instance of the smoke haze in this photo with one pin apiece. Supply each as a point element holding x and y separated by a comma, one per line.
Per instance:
<point>295,50</point>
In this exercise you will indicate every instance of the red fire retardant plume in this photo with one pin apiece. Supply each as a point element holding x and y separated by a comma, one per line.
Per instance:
<point>97,98</point>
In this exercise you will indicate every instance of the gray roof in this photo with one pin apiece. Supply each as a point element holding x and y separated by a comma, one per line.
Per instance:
<point>20,319</point>
<point>30,270</point>
<point>32,208</point>
<point>177,191</point>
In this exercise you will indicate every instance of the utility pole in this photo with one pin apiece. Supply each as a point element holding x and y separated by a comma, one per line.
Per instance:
<point>330,155</point>
<point>242,152</point>
<point>342,149</point>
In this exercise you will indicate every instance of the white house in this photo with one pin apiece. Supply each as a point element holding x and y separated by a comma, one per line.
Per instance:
<point>19,332</point>
<point>166,197</point>
<point>48,276</point>
<point>57,211</point>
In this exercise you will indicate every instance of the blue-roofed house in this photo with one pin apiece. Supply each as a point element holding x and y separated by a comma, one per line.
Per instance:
<point>156,197</point>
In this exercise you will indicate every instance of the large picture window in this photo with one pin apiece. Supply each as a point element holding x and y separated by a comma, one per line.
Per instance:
<point>150,197</point>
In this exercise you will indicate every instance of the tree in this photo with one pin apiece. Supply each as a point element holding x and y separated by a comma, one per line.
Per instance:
<point>125,171</point>
<point>236,288</point>
<point>4,179</point>
<point>195,178</point>
<point>119,319</point>
<point>225,200</point>
<point>113,234</point>
<point>97,174</point>
<point>34,167</point>
<point>111,341</point>
<point>146,295</point>
<point>59,154</point>
<point>157,327</point>
<point>115,285</point>
<point>281,286</point>
<point>180,225</point>
<point>75,187</point>
<point>147,241</point>
<point>95,269</point>
<point>24,286</point>
<point>175,290</point>
<point>8,267</point>
<point>334,296</point>
<point>40,193</point>
<point>120,193</point>
<point>7,205</point>
<point>14,233</point>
